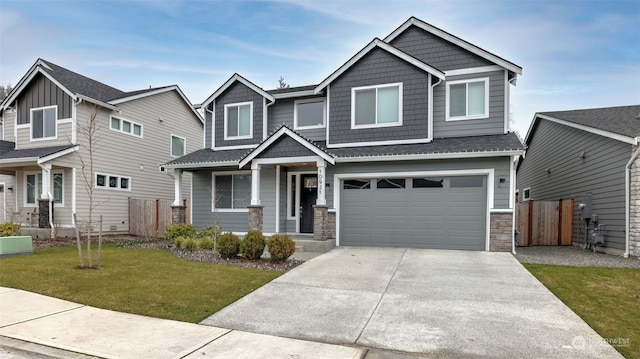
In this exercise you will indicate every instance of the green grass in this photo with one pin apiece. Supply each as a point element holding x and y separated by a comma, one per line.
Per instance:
<point>608,299</point>
<point>146,282</point>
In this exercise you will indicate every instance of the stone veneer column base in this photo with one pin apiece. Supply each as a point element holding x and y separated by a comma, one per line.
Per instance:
<point>332,224</point>
<point>634,208</point>
<point>255,218</point>
<point>321,222</point>
<point>500,235</point>
<point>178,214</point>
<point>43,213</point>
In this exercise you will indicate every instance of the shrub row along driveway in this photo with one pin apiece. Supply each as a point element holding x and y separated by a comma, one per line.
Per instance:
<point>449,303</point>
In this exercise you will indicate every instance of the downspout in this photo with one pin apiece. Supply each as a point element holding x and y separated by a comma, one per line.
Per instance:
<point>430,115</point>
<point>627,193</point>
<point>512,204</point>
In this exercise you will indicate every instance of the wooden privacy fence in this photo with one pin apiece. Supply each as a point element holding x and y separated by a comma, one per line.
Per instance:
<point>150,217</point>
<point>545,223</point>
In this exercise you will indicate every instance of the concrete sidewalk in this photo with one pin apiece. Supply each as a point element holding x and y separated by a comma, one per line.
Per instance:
<point>46,327</point>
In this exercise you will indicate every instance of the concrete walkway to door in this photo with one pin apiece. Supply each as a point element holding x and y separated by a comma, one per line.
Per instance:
<point>436,302</point>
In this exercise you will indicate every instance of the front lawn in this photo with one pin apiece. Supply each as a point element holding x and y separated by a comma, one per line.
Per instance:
<point>608,299</point>
<point>146,282</point>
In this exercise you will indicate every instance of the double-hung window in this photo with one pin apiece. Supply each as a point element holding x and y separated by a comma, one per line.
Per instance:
<point>232,191</point>
<point>468,99</point>
<point>43,122</point>
<point>238,121</point>
<point>33,188</point>
<point>178,145</point>
<point>308,114</point>
<point>376,106</point>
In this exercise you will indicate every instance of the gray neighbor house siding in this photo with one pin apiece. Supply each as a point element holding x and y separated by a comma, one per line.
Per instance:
<point>554,169</point>
<point>377,68</point>
<point>237,93</point>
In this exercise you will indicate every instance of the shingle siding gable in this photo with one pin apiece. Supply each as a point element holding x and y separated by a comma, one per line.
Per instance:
<point>237,93</point>
<point>437,51</point>
<point>377,68</point>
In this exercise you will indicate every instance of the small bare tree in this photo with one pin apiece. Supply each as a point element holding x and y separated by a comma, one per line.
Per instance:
<point>282,84</point>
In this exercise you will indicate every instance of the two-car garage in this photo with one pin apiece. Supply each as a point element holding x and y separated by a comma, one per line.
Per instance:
<point>420,211</point>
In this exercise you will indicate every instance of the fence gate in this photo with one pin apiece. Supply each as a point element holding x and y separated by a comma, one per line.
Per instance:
<point>545,223</point>
<point>149,217</point>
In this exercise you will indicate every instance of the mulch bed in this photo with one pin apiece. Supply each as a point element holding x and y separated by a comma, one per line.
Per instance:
<point>129,241</point>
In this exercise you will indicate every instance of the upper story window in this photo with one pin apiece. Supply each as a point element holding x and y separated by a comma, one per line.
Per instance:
<point>376,106</point>
<point>178,145</point>
<point>126,126</point>
<point>113,182</point>
<point>468,99</point>
<point>43,122</point>
<point>308,114</point>
<point>238,121</point>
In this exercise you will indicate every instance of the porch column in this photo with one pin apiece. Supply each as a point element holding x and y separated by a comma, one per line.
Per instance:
<point>255,184</point>
<point>177,178</point>
<point>178,210</point>
<point>321,200</point>
<point>45,207</point>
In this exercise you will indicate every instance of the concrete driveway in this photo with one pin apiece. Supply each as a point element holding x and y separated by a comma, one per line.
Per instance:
<point>436,302</point>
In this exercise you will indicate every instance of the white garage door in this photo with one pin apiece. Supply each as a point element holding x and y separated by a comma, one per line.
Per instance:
<point>422,212</point>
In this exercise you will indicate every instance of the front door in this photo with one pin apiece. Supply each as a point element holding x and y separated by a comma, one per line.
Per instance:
<point>308,196</point>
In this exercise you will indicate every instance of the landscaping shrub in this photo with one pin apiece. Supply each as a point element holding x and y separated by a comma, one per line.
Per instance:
<point>178,241</point>
<point>10,229</point>
<point>189,244</point>
<point>206,243</point>
<point>228,245</point>
<point>210,232</point>
<point>252,245</point>
<point>281,247</point>
<point>180,230</point>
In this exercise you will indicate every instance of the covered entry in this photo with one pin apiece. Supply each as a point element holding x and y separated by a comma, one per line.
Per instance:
<point>447,212</point>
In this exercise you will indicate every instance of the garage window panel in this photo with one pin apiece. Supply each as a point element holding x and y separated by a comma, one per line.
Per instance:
<point>428,182</point>
<point>466,181</point>
<point>357,184</point>
<point>391,183</point>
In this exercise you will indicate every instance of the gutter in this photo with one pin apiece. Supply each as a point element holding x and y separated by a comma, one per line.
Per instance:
<point>627,193</point>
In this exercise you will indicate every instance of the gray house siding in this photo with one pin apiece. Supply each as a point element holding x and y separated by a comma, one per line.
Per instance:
<point>281,112</point>
<point>436,51</point>
<point>558,148</point>
<point>377,68</point>
<point>286,147</point>
<point>42,92</point>
<point>485,126</point>
<point>208,127</point>
<point>499,164</point>
<point>237,93</point>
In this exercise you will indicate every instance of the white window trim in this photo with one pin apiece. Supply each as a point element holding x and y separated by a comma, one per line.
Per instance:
<point>468,81</point>
<point>107,186</point>
<point>376,87</point>
<point>184,139</point>
<point>311,100</point>
<point>111,117</point>
<point>30,125</point>
<point>213,191</point>
<point>39,195</point>
<point>524,192</point>
<point>238,104</point>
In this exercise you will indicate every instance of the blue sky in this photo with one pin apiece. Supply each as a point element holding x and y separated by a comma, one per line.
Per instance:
<point>575,53</point>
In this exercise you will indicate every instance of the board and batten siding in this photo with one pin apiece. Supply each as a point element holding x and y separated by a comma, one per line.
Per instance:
<point>436,51</point>
<point>281,112</point>
<point>40,93</point>
<point>553,169</point>
<point>494,124</point>
<point>379,67</point>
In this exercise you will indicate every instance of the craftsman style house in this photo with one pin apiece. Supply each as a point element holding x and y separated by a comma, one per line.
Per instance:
<point>44,158</point>
<point>406,144</point>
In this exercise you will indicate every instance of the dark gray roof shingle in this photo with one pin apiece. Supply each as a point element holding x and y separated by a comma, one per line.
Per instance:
<point>80,84</point>
<point>622,120</point>
<point>292,89</point>
<point>6,146</point>
<point>208,156</point>
<point>33,152</point>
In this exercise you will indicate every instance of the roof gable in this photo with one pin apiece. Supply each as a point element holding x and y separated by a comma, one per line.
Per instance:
<point>237,78</point>
<point>413,21</point>
<point>621,123</point>
<point>135,95</point>
<point>282,133</point>
<point>378,44</point>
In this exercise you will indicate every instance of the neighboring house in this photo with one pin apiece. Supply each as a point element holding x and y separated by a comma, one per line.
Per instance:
<point>573,154</point>
<point>407,144</point>
<point>46,118</point>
